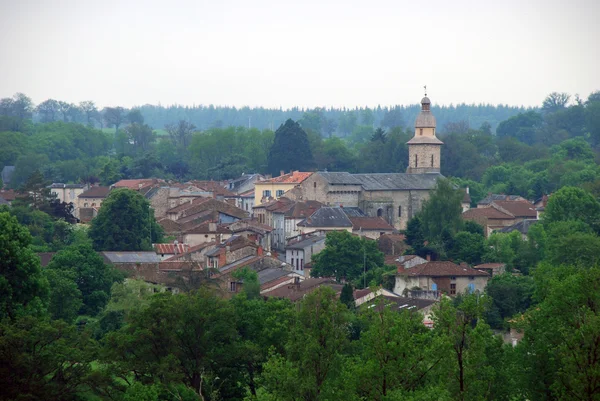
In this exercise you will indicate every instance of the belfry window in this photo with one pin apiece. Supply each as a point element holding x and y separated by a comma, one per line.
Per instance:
<point>416,160</point>
<point>399,211</point>
<point>420,131</point>
<point>431,160</point>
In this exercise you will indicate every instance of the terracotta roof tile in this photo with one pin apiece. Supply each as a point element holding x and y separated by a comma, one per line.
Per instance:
<point>486,212</point>
<point>187,205</point>
<point>135,184</point>
<point>295,177</point>
<point>520,208</point>
<point>96,192</point>
<point>170,248</point>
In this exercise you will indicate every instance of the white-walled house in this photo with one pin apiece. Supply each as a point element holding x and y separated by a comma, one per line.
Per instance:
<point>299,254</point>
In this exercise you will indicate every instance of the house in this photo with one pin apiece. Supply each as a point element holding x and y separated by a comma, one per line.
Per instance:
<point>7,173</point>
<point>205,232</point>
<point>227,213</point>
<point>522,227</point>
<point>284,216</point>
<point>299,253</point>
<point>195,253</point>
<point>89,202</point>
<point>166,251</point>
<point>400,304</point>
<point>493,269</point>
<point>439,276</point>
<point>274,188</point>
<point>232,250</point>
<point>253,230</point>
<point>370,227</point>
<point>259,263</point>
<point>246,201</point>
<point>392,244</point>
<point>326,219</point>
<point>68,193</point>
<point>275,277</point>
<point>7,196</point>
<point>491,218</point>
<point>244,184</point>
<point>300,288</point>
<point>485,202</point>
<point>366,294</point>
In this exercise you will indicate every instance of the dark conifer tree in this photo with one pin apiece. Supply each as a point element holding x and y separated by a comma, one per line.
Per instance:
<point>290,150</point>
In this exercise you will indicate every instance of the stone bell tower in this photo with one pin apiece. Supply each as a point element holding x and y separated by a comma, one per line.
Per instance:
<point>424,148</point>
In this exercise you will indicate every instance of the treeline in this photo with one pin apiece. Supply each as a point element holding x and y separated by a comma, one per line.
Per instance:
<point>532,153</point>
<point>76,330</point>
<point>327,121</point>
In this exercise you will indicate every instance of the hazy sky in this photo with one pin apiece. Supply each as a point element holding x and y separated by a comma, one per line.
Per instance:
<point>298,53</point>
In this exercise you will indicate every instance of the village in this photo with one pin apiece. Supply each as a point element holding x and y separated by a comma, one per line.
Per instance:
<point>276,225</point>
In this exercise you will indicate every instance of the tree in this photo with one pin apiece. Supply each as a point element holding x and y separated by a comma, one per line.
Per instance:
<point>249,278</point>
<point>65,298</point>
<point>94,278</point>
<point>510,295</point>
<point>441,211</point>
<point>290,150</point>
<point>141,135</point>
<point>88,108</point>
<point>125,223</point>
<point>114,117</point>
<point>181,133</point>
<point>135,117</point>
<point>571,203</point>
<point>312,360</point>
<point>23,289</point>
<point>48,110</point>
<point>393,118</point>
<point>43,360</point>
<point>555,102</point>
<point>522,126</point>
<point>346,257</point>
<point>467,247</point>
<point>347,296</point>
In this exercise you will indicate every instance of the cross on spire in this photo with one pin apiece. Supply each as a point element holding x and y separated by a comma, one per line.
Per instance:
<point>425,87</point>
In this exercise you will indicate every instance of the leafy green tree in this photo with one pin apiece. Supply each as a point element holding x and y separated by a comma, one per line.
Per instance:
<point>290,149</point>
<point>141,135</point>
<point>125,223</point>
<point>43,360</point>
<point>559,351</point>
<point>65,298</point>
<point>346,257</point>
<point>181,133</point>
<point>509,296</point>
<point>467,247</point>
<point>93,277</point>
<point>571,203</point>
<point>441,211</point>
<point>114,117</point>
<point>522,126</point>
<point>23,288</point>
<point>188,339</point>
<point>347,296</point>
<point>249,278</point>
<point>397,354</point>
<point>555,102</point>
<point>313,354</point>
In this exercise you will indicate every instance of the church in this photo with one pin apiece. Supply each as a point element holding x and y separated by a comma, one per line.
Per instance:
<point>396,197</point>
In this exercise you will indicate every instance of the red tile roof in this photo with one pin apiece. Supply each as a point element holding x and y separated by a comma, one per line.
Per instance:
<point>96,192</point>
<point>205,229</point>
<point>215,187</point>
<point>276,282</point>
<point>295,177</point>
<point>295,292</point>
<point>187,205</point>
<point>370,223</point>
<point>134,184</point>
<point>519,208</point>
<point>487,212</point>
<point>8,195</point>
<point>162,249</point>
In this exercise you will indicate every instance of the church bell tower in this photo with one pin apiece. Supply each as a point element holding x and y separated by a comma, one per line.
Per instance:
<point>424,148</point>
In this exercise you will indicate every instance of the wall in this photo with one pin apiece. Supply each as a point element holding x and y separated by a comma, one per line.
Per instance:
<point>293,257</point>
<point>197,239</point>
<point>411,202</point>
<point>278,230</point>
<point>306,230</point>
<point>259,187</point>
<point>423,153</point>
<point>405,282</point>
<point>160,202</point>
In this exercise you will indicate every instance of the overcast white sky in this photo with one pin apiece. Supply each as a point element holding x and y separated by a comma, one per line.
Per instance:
<point>305,53</point>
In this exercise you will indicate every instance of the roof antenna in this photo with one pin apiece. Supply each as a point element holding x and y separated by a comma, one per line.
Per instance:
<point>425,87</point>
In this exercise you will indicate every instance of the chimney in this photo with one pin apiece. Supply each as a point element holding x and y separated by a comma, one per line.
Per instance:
<point>428,257</point>
<point>212,227</point>
<point>281,172</point>
<point>140,185</point>
<point>218,238</point>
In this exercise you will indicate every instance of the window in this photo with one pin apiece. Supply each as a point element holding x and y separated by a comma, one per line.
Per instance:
<point>314,184</point>
<point>471,288</point>
<point>399,211</point>
<point>453,278</point>
<point>297,263</point>
<point>471,278</point>
<point>232,286</point>
<point>301,264</point>
<point>431,160</point>
<point>85,205</point>
<point>420,131</point>
<point>279,192</point>
<point>292,260</point>
<point>379,212</point>
<point>452,289</point>
<point>266,193</point>
<point>416,160</point>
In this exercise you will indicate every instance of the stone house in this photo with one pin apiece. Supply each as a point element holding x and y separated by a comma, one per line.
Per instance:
<point>68,193</point>
<point>370,227</point>
<point>206,232</point>
<point>298,254</point>
<point>274,188</point>
<point>284,215</point>
<point>195,253</point>
<point>491,218</point>
<point>253,230</point>
<point>246,201</point>
<point>493,269</point>
<point>232,250</point>
<point>167,251</point>
<point>326,219</point>
<point>440,276</point>
<point>297,290</point>
<point>392,244</point>
<point>89,202</point>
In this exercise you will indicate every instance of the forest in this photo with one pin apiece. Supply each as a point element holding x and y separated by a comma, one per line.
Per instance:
<point>77,329</point>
